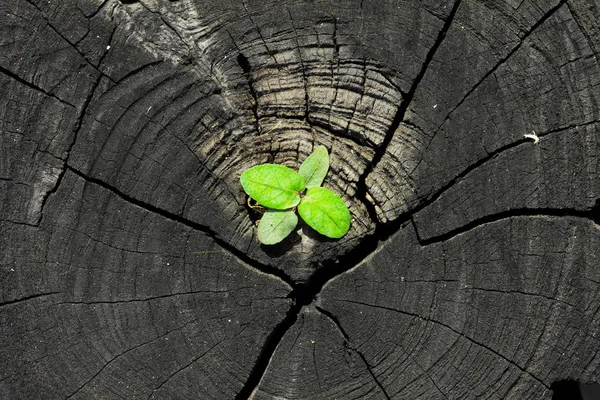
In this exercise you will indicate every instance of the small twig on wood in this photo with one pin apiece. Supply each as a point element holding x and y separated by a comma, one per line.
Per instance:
<point>533,136</point>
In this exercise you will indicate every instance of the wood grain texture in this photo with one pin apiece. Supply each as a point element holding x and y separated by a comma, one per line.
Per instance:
<point>463,135</point>
<point>317,358</point>
<point>500,311</point>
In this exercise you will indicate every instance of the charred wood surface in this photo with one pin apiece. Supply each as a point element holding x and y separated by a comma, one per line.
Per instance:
<point>464,136</point>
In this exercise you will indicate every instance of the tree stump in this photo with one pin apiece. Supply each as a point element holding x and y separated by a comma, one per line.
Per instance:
<point>464,137</point>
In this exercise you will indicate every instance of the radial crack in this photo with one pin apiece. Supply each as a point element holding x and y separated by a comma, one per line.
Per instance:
<point>191,224</point>
<point>124,353</point>
<point>78,126</point>
<point>523,293</point>
<point>492,155</point>
<point>401,111</point>
<point>193,361</point>
<point>145,299</point>
<point>461,334</point>
<point>522,40</point>
<point>509,214</point>
<point>267,351</point>
<point>73,45</point>
<point>32,86</point>
<point>380,151</point>
<point>336,322</point>
<point>27,298</point>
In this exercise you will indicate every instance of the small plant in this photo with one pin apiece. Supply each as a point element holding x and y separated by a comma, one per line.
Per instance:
<point>281,190</point>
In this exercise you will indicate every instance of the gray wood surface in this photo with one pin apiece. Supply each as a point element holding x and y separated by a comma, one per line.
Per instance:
<point>464,136</point>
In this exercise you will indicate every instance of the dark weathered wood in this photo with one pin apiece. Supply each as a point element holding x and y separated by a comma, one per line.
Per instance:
<point>495,78</point>
<point>315,361</point>
<point>557,176</point>
<point>464,136</point>
<point>501,311</point>
<point>108,299</point>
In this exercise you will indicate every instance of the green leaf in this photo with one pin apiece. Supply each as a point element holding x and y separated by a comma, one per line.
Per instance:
<point>275,225</point>
<point>325,212</point>
<point>315,167</point>
<point>273,186</point>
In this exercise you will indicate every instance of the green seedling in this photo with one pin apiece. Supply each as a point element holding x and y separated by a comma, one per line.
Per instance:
<point>283,191</point>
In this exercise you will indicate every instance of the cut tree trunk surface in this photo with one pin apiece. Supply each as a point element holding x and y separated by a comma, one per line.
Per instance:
<point>464,136</point>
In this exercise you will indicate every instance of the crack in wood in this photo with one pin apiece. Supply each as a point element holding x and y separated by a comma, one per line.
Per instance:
<point>523,293</point>
<point>193,361</point>
<point>304,294</point>
<point>268,349</point>
<point>31,85</point>
<point>73,45</point>
<point>492,155</point>
<point>27,298</point>
<point>338,325</point>
<point>147,299</point>
<point>244,64</point>
<point>78,126</point>
<point>509,214</point>
<point>522,40</point>
<point>460,334</point>
<point>139,70</point>
<point>116,357</point>
<point>381,150</point>
<point>242,256</point>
